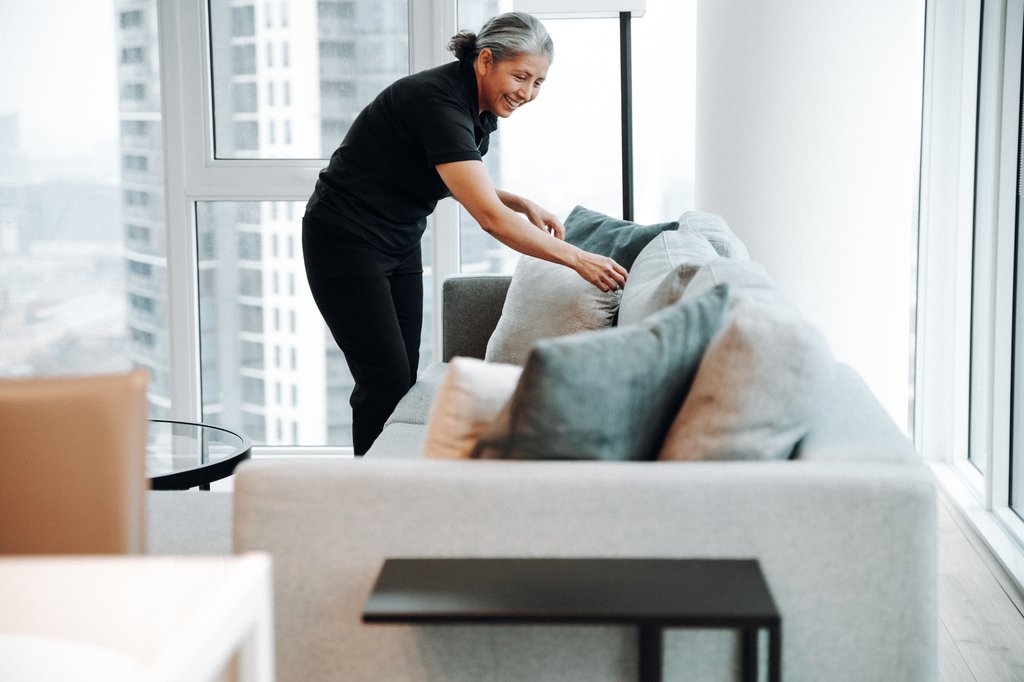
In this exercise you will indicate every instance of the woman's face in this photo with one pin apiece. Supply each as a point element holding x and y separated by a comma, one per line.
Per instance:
<point>507,85</point>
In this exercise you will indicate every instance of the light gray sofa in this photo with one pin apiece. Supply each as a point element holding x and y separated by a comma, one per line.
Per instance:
<point>845,533</point>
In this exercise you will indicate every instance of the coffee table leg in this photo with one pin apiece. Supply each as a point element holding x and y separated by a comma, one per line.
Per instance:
<point>775,653</point>
<point>649,650</point>
<point>750,654</point>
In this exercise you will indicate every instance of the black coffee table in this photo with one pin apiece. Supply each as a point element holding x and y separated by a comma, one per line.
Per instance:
<point>652,594</point>
<point>182,455</point>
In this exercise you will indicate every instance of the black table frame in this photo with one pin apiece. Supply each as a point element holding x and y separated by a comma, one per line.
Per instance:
<point>651,594</point>
<point>206,473</point>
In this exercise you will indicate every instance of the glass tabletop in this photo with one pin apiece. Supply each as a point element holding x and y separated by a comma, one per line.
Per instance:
<point>182,455</point>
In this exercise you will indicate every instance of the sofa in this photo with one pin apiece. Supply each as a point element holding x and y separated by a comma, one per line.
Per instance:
<point>843,525</point>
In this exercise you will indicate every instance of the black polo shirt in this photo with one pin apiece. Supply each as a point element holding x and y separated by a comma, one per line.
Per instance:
<point>381,183</point>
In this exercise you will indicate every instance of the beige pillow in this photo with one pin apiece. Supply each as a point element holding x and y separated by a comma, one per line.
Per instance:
<point>545,300</point>
<point>761,380</point>
<point>470,396</point>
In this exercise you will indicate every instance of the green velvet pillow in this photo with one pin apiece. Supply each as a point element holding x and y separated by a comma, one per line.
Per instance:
<point>610,394</point>
<point>620,240</point>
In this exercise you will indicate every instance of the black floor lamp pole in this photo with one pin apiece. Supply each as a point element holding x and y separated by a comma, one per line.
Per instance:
<point>625,71</point>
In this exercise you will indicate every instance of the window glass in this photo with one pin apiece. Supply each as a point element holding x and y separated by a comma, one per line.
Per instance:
<point>330,57</point>
<point>1017,430</point>
<point>256,338</point>
<point>564,149</point>
<point>82,247</point>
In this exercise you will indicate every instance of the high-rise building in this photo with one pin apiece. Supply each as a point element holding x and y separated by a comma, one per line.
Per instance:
<point>142,196</point>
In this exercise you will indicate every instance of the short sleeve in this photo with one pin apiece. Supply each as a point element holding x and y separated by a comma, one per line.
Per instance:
<point>444,128</point>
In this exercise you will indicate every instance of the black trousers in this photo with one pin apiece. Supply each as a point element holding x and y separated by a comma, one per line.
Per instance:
<point>373,304</point>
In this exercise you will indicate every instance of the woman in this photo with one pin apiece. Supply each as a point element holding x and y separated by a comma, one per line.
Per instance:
<point>420,140</point>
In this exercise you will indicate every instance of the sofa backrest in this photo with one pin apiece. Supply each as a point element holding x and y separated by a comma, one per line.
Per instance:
<point>848,550</point>
<point>471,306</point>
<point>851,425</point>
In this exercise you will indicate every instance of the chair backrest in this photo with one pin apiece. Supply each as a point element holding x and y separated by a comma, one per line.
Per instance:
<point>73,464</point>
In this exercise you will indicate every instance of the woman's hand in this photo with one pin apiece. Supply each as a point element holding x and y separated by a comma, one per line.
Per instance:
<point>601,271</point>
<point>544,219</point>
<point>501,214</point>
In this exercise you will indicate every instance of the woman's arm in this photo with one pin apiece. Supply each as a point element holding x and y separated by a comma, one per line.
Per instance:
<point>496,212</point>
<point>541,217</point>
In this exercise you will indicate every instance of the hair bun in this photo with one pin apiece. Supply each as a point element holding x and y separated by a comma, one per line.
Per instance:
<point>463,45</point>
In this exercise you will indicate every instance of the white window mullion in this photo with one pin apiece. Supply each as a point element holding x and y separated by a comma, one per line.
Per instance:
<point>178,39</point>
<point>432,23</point>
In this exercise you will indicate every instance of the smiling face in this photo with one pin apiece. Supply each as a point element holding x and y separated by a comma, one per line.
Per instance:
<point>509,84</point>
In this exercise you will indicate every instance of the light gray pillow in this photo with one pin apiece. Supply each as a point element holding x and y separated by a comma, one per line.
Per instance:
<point>544,300</point>
<point>661,273</point>
<point>714,228</point>
<point>762,379</point>
<point>606,395</point>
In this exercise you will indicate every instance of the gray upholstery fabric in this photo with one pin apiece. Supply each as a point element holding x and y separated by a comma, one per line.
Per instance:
<point>848,550</point>
<point>714,228</point>
<point>399,441</point>
<point>620,240</point>
<point>851,425</point>
<point>414,407</point>
<point>188,522</point>
<point>470,308</point>
<point>606,395</point>
<point>547,300</point>
<point>661,273</point>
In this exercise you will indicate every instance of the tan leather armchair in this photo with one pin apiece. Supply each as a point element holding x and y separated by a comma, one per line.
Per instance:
<point>73,464</point>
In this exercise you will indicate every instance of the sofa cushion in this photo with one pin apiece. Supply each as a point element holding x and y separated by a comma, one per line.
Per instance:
<point>414,407</point>
<point>470,396</point>
<point>762,378</point>
<point>544,300</point>
<point>398,441</point>
<point>620,240</point>
<point>608,395</point>
<point>714,228</point>
<point>661,272</point>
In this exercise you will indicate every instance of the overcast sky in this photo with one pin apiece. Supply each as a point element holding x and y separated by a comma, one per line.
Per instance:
<point>59,74</point>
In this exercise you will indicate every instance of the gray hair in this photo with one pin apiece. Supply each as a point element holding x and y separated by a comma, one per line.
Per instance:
<point>507,35</point>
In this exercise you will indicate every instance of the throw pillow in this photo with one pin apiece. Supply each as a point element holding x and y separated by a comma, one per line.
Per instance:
<point>761,380</point>
<point>470,396</point>
<point>714,228</point>
<point>620,240</point>
<point>544,300</point>
<point>606,395</point>
<point>661,273</point>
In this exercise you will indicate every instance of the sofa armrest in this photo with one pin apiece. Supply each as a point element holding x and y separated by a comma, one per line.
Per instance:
<point>471,306</point>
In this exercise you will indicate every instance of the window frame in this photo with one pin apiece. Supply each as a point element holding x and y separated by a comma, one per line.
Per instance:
<point>194,175</point>
<point>966,316</point>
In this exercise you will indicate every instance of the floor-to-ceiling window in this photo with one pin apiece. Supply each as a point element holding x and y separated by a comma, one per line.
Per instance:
<point>971,359</point>
<point>83,266</point>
